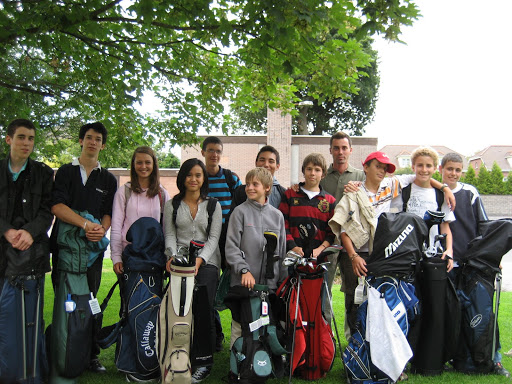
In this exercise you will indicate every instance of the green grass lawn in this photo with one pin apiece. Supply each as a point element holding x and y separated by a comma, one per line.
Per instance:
<point>221,366</point>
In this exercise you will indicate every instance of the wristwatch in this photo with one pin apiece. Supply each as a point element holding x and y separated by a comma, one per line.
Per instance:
<point>243,271</point>
<point>443,187</point>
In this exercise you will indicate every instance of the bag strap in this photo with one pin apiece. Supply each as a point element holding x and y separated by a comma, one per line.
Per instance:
<point>230,181</point>
<point>406,195</point>
<point>105,301</point>
<point>210,208</point>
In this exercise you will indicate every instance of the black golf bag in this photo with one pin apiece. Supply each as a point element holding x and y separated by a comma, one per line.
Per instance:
<point>480,279</point>
<point>141,291</point>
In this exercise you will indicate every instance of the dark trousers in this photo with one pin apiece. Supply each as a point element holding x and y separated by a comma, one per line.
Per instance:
<point>209,275</point>
<point>350,283</point>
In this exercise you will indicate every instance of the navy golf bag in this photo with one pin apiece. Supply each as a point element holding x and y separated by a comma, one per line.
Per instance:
<point>404,306</point>
<point>22,343</point>
<point>141,291</point>
<point>480,279</point>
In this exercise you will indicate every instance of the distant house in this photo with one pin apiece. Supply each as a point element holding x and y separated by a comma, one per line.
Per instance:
<point>400,155</point>
<point>501,154</point>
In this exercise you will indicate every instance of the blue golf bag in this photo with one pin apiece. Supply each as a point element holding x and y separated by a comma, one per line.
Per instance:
<point>404,306</point>
<point>22,343</point>
<point>141,291</point>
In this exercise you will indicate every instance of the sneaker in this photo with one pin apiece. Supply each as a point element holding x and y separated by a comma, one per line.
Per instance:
<point>96,367</point>
<point>403,377</point>
<point>200,374</point>
<point>219,339</point>
<point>500,370</point>
<point>509,353</point>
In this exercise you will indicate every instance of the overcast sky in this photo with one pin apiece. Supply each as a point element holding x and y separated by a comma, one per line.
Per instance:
<point>451,84</point>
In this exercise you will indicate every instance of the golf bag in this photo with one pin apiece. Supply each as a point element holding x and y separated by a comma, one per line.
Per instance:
<point>479,279</point>
<point>257,354</point>
<point>73,318</point>
<point>398,245</point>
<point>176,324</point>
<point>310,334</point>
<point>22,342</point>
<point>403,306</point>
<point>141,289</point>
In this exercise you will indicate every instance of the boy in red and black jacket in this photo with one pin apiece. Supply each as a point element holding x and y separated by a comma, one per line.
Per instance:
<point>309,203</point>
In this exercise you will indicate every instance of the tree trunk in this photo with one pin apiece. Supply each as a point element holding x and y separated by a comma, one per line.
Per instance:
<point>302,126</point>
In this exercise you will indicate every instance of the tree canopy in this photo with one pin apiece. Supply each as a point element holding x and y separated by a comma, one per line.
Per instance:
<point>66,62</point>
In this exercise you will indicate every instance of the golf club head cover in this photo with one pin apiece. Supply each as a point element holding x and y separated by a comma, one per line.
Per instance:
<point>271,246</point>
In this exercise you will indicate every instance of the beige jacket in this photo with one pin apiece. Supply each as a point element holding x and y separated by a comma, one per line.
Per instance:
<point>355,215</point>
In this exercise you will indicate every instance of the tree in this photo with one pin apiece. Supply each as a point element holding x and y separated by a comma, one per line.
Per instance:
<point>470,177</point>
<point>63,63</point>
<point>350,113</point>
<point>437,176</point>
<point>404,171</point>
<point>168,160</point>
<point>508,184</point>
<point>496,180</point>
<point>484,181</point>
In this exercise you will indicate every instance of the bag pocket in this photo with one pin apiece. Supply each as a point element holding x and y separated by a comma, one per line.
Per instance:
<point>78,344</point>
<point>180,334</point>
<point>178,367</point>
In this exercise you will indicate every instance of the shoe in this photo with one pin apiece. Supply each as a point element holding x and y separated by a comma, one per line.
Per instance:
<point>218,342</point>
<point>232,378</point>
<point>403,377</point>
<point>500,370</point>
<point>509,353</point>
<point>96,367</point>
<point>200,374</point>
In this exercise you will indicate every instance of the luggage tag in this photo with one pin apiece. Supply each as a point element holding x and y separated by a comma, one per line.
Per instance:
<point>69,304</point>
<point>95,306</point>
<point>265,319</point>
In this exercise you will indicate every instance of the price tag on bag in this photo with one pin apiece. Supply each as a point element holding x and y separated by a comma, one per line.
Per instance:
<point>69,304</point>
<point>264,308</point>
<point>95,306</point>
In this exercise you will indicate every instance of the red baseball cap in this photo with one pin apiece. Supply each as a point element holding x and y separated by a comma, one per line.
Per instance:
<point>382,158</point>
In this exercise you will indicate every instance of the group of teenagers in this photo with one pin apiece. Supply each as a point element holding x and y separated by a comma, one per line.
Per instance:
<point>334,198</point>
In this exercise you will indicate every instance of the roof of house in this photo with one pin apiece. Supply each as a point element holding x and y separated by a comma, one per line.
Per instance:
<point>495,153</point>
<point>396,151</point>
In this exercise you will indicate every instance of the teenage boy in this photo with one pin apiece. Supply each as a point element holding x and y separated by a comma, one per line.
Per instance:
<point>222,185</point>
<point>423,197</point>
<point>245,240</point>
<point>469,212</point>
<point>309,203</point>
<point>268,158</point>
<point>25,218</point>
<point>84,185</point>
